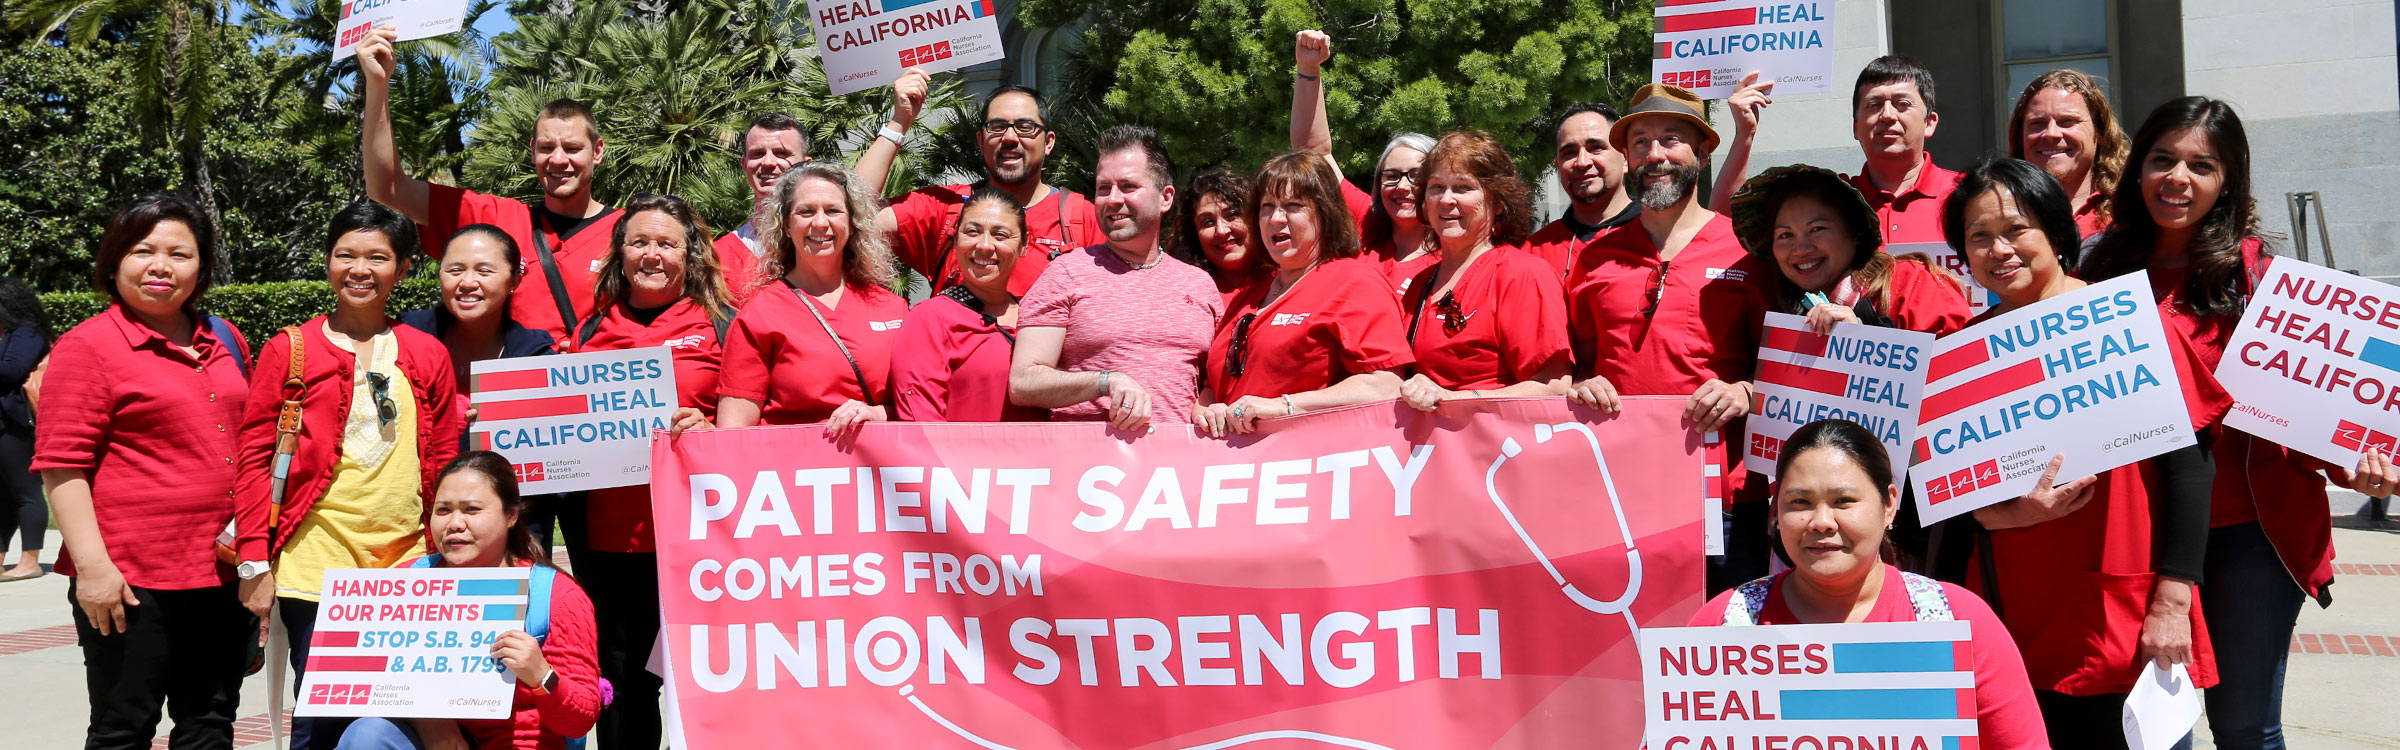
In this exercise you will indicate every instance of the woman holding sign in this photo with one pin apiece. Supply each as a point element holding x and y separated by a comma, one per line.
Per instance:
<point>951,363</point>
<point>2188,220</point>
<point>478,274</point>
<point>659,287</point>
<point>476,523</point>
<point>815,345</point>
<point>2095,577</point>
<point>1322,331</point>
<point>1834,502</point>
<point>378,416</point>
<point>135,451</point>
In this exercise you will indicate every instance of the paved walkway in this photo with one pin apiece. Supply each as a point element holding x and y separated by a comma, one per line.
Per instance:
<point>2339,695</point>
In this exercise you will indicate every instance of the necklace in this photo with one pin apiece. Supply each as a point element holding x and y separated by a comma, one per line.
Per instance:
<point>1162,257</point>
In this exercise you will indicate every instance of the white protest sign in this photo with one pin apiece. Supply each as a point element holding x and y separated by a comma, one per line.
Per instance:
<point>574,421</point>
<point>413,643</point>
<point>1865,374</point>
<point>1707,45</point>
<point>2315,365</point>
<point>1979,299</point>
<point>415,19</point>
<point>866,43</point>
<point>1909,685</point>
<point>2087,374</point>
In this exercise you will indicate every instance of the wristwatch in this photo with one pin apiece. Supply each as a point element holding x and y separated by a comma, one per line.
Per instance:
<point>549,683</point>
<point>896,137</point>
<point>251,569</point>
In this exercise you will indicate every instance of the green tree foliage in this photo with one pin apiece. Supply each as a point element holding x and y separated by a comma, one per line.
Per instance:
<point>1193,67</point>
<point>257,310</point>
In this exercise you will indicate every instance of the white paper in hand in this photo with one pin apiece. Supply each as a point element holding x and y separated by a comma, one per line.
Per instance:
<point>415,19</point>
<point>2162,708</point>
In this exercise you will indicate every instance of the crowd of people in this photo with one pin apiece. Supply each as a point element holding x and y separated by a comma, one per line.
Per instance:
<point>218,488</point>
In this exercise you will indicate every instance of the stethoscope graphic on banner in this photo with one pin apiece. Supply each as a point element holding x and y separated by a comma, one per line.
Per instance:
<point>1509,448</point>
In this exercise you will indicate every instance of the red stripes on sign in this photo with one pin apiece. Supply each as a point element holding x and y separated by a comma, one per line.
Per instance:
<point>1827,382</point>
<point>1958,360</point>
<point>1796,341</point>
<point>510,381</point>
<point>28,641</point>
<point>345,663</point>
<point>2353,645</point>
<point>1715,19</point>
<point>494,411</point>
<point>2366,569</point>
<point>1981,389</point>
<point>1674,3</point>
<point>333,639</point>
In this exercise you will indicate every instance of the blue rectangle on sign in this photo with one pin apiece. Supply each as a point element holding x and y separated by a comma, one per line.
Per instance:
<point>893,5</point>
<point>1919,656</point>
<point>500,587</point>
<point>1870,705</point>
<point>2381,353</point>
<point>502,612</point>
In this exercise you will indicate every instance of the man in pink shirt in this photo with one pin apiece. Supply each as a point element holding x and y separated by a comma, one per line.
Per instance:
<point>1118,331</point>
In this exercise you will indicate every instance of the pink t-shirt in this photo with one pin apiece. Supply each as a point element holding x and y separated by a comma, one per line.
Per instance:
<point>2006,716</point>
<point>1152,324</point>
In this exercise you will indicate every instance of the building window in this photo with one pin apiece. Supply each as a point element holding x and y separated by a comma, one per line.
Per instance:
<point>2038,36</point>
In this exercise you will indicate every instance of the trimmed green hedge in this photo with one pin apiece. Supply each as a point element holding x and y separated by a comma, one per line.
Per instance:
<point>257,310</point>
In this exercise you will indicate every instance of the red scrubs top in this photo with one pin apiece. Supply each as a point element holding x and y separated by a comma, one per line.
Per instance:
<point>1339,321</point>
<point>951,365</point>
<point>1711,307</point>
<point>2074,590</point>
<point>618,518</point>
<point>1515,323</point>
<point>1915,214</point>
<point>579,255</point>
<point>2087,218</point>
<point>740,266</point>
<point>1921,300</point>
<point>1385,254</point>
<point>777,355</point>
<point>927,217</point>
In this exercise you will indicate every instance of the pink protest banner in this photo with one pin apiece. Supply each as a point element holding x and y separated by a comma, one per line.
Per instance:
<point>1367,577</point>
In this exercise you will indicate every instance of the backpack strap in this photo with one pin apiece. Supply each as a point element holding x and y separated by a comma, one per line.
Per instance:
<point>537,600</point>
<point>224,332</point>
<point>558,285</point>
<point>1748,600</point>
<point>1926,596</point>
<point>591,327</point>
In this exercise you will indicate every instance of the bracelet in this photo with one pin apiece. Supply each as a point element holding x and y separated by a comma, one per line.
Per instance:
<point>1288,408</point>
<point>1304,76</point>
<point>887,133</point>
<point>1104,381</point>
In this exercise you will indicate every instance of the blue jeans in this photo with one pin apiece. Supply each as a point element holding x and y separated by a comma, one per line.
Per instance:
<point>2251,605</point>
<point>380,734</point>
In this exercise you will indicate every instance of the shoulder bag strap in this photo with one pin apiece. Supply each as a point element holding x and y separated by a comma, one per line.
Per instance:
<point>287,421</point>
<point>865,394</point>
<point>591,327</point>
<point>558,285</point>
<point>1058,208</point>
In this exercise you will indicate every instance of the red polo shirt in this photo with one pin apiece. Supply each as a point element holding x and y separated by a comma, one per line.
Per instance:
<point>1924,300</point>
<point>741,267</point>
<point>777,355</point>
<point>927,217</point>
<point>618,518</point>
<point>579,255</point>
<point>158,449</point>
<point>1915,214</point>
<point>951,365</point>
<point>1515,323</point>
<point>1385,254</point>
<point>1556,243</point>
<point>1339,321</point>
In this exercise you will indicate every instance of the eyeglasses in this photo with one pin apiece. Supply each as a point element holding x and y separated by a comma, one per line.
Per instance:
<point>1453,320</point>
<point>381,384</point>
<point>1658,291</point>
<point>1390,177</point>
<point>1239,349</point>
<point>1023,128</point>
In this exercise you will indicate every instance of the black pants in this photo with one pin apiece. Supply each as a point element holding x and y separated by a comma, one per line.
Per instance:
<point>300,622</point>
<point>624,591</point>
<point>22,510</point>
<point>182,649</point>
<point>2087,722</point>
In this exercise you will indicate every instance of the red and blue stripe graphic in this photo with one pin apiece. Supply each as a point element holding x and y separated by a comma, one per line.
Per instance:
<point>1903,656</point>
<point>977,9</point>
<point>1990,386</point>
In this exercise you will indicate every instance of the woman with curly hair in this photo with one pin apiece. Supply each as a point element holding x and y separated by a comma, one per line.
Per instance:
<point>2064,125</point>
<point>815,344</point>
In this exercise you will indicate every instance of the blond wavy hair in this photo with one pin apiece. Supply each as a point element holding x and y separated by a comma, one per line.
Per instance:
<point>866,260</point>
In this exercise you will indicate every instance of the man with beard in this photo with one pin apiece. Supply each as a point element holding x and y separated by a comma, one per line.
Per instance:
<point>1670,305</point>
<point>1015,137</point>
<point>1892,114</point>
<point>566,236</point>
<point>774,142</point>
<point>1117,331</point>
<point>1590,172</point>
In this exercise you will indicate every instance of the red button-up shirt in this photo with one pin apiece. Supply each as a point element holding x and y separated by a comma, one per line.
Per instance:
<point>155,430</point>
<point>1915,214</point>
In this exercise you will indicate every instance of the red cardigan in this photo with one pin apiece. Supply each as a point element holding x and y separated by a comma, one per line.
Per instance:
<point>323,407</point>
